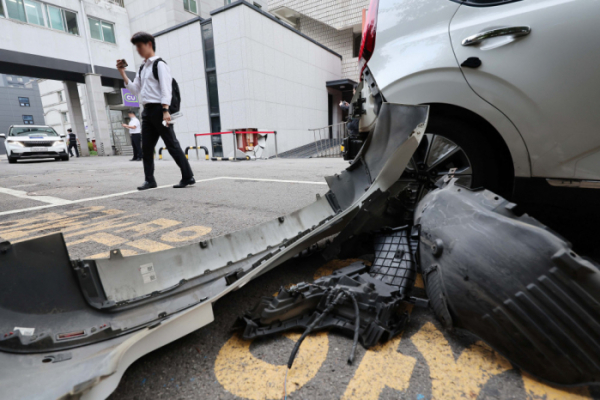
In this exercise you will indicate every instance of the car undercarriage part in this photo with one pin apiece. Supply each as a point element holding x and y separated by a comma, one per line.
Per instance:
<point>90,319</point>
<point>512,282</point>
<point>368,302</point>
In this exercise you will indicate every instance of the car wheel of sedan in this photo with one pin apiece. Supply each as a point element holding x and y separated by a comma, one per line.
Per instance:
<point>12,160</point>
<point>450,143</point>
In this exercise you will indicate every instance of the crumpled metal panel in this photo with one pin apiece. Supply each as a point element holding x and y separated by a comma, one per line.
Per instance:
<point>511,281</point>
<point>144,318</point>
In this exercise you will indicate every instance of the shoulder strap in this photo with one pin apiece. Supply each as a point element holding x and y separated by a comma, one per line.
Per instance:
<point>140,72</point>
<point>155,67</point>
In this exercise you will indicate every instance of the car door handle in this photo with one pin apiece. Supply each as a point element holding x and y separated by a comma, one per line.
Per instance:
<point>514,31</point>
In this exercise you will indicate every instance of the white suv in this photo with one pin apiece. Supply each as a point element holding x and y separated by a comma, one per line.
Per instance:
<point>513,88</point>
<point>25,142</point>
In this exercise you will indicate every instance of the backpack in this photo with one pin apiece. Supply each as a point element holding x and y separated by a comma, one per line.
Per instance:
<point>175,94</point>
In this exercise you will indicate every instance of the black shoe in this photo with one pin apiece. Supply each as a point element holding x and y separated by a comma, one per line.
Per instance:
<point>139,159</point>
<point>185,182</point>
<point>147,185</point>
<point>133,159</point>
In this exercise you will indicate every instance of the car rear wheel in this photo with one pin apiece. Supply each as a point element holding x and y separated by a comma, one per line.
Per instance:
<point>450,143</point>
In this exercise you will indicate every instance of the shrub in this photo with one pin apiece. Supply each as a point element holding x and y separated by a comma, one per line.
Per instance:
<point>90,146</point>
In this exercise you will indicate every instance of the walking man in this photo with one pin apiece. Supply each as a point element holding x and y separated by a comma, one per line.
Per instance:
<point>153,86</point>
<point>72,143</point>
<point>135,131</point>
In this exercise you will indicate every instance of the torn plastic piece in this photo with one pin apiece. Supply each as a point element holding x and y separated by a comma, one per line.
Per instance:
<point>381,308</point>
<point>511,281</point>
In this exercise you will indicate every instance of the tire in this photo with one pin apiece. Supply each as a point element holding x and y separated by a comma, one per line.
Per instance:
<point>470,150</point>
<point>12,160</point>
<point>65,158</point>
<point>477,147</point>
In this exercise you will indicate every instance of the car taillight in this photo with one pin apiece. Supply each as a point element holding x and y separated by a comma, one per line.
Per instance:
<point>367,46</point>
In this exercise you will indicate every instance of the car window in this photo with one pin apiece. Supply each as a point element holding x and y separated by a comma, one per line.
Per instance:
<point>28,131</point>
<point>484,3</point>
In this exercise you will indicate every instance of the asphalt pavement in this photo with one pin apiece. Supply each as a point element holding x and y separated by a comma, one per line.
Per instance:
<point>94,202</point>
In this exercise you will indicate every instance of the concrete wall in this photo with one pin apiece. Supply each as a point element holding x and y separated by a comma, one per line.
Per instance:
<point>270,77</point>
<point>11,112</point>
<point>33,39</point>
<point>182,50</point>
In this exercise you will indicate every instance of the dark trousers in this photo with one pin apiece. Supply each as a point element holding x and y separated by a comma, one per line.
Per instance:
<point>73,146</point>
<point>136,143</point>
<point>152,129</point>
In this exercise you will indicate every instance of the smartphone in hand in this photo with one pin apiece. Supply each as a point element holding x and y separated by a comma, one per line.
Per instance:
<point>122,63</point>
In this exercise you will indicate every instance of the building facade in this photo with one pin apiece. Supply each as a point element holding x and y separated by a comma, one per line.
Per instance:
<point>20,103</point>
<point>334,23</point>
<point>238,66</point>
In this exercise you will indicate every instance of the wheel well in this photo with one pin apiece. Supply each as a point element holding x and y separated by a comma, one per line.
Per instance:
<point>491,135</point>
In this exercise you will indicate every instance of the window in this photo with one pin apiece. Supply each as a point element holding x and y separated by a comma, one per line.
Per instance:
<point>357,40</point>
<point>42,14</point>
<point>227,2</point>
<point>191,6</point>
<point>24,102</point>
<point>209,46</point>
<point>2,10</point>
<point>213,92</point>
<point>34,12</point>
<point>65,117</point>
<point>102,30</point>
<point>60,96</point>
<point>55,18</point>
<point>71,22</point>
<point>28,119</point>
<point>16,10</point>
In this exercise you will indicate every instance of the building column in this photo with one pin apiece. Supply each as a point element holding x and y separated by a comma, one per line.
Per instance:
<point>76,114</point>
<point>98,117</point>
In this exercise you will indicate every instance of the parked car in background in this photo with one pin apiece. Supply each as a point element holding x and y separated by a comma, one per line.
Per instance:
<point>26,142</point>
<point>512,88</point>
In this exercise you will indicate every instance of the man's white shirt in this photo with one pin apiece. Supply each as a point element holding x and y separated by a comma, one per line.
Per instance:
<point>148,89</point>
<point>135,122</point>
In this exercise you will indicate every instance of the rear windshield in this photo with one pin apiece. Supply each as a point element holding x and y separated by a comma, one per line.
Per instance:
<point>32,131</point>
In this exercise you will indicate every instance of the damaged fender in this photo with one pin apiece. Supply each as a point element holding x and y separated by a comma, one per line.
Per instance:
<point>511,281</point>
<point>92,318</point>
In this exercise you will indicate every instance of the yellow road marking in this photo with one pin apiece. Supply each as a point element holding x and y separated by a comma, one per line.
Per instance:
<point>537,390</point>
<point>150,227</point>
<point>460,378</point>
<point>98,226</point>
<point>185,234</point>
<point>102,238</point>
<point>244,375</point>
<point>382,366</point>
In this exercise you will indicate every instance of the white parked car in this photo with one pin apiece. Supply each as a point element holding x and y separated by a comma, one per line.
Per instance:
<point>513,88</point>
<point>26,142</point>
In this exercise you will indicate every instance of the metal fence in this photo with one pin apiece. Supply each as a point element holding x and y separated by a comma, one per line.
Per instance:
<point>328,140</point>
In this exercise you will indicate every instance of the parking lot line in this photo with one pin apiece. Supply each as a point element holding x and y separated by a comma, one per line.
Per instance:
<point>56,202</point>
<point>44,199</point>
